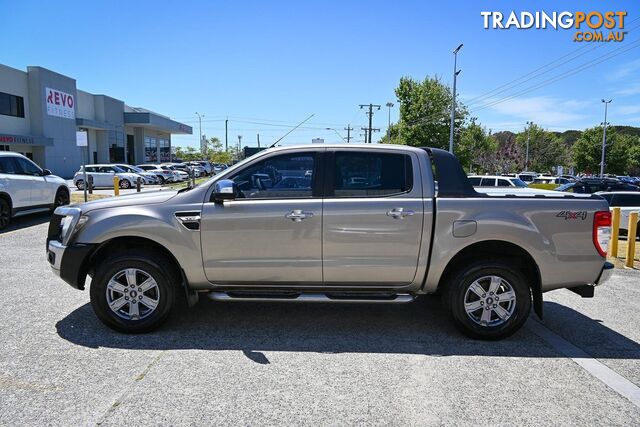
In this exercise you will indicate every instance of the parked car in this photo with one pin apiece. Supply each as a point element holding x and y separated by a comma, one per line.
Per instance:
<point>103,175</point>
<point>542,179</point>
<point>177,173</point>
<point>527,177</point>
<point>148,177</point>
<point>627,201</point>
<point>207,167</point>
<point>185,168</point>
<point>233,239</point>
<point>163,175</point>
<point>594,185</point>
<point>495,181</point>
<point>219,167</point>
<point>27,188</point>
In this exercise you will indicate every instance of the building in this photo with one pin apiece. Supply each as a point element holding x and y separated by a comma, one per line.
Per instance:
<point>41,110</point>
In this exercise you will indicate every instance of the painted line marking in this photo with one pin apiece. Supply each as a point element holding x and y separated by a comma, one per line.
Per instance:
<point>596,368</point>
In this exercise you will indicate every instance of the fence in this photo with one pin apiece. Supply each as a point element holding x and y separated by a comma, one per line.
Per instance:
<point>631,236</point>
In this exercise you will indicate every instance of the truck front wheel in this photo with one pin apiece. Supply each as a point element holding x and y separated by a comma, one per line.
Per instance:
<point>132,293</point>
<point>489,300</point>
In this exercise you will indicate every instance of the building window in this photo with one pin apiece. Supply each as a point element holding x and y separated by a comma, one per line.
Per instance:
<point>150,149</point>
<point>165,150</point>
<point>11,105</point>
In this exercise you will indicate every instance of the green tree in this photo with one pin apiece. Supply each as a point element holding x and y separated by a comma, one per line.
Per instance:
<point>425,109</point>
<point>475,148</point>
<point>587,151</point>
<point>546,149</point>
<point>216,154</point>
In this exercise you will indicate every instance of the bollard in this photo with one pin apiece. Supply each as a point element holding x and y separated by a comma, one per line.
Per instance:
<point>90,184</point>
<point>631,239</point>
<point>138,182</point>
<point>116,185</point>
<point>615,231</point>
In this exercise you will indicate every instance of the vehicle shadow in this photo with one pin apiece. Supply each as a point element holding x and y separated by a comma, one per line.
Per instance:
<point>27,221</point>
<point>421,327</point>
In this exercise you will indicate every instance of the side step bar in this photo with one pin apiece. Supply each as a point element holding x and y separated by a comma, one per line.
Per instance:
<point>311,297</point>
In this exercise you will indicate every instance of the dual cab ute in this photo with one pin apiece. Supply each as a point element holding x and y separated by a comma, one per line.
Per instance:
<point>334,223</point>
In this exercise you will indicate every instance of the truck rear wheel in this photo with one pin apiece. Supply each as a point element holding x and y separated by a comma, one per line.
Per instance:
<point>132,293</point>
<point>489,300</point>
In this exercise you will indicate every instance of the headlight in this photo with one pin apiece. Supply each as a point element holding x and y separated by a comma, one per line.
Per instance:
<point>72,221</point>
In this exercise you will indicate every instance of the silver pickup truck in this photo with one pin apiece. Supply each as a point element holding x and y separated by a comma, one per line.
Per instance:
<point>334,223</point>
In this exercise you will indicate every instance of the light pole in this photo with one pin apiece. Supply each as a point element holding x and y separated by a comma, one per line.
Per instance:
<point>337,133</point>
<point>604,136</point>
<point>526,158</point>
<point>390,105</point>
<point>453,103</point>
<point>200,116</point>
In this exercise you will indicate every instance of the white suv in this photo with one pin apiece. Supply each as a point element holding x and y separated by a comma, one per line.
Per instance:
<point>26,188</point>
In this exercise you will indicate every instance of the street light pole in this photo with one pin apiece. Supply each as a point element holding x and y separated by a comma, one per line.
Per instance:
<point>526,159</point>
<point>604,136</point>
<point>200,116</point>
<point>337,133</point>
<point>390,105</point>
<point>453,103</point>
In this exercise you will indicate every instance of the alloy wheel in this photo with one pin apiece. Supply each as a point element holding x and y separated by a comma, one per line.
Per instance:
<point>132,294</point>
<point>5,214</point>
<point>490,301</point>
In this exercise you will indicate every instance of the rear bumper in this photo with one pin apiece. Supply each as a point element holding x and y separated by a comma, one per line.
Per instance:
<point>606,273</point>
<point>68,262</point>
<point>587,291</point>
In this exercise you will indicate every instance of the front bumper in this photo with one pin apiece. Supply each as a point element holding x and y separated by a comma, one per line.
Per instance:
<point>69,262</point>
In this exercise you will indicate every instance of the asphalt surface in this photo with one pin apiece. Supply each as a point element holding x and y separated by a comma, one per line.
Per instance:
<point>256,364</point>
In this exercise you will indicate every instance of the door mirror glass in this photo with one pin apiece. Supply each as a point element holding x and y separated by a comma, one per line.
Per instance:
<point>225,189</point>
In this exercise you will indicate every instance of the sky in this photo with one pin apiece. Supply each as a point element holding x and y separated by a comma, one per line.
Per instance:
<point>268,65</point>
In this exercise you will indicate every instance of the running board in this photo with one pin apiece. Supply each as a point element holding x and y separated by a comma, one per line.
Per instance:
<point>311,297</point>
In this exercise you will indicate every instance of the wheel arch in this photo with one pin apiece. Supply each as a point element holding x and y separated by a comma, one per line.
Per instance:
<point>498,249</point>
<point>4,195</point>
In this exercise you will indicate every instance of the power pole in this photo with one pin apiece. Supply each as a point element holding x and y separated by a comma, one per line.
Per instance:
<point>200,116</point>
<point>370,114</point>
<point>604,136</point>
<point>226,135</point>
<point>366,134</point>
<point>348,129</point>
<point>390,105</point>
<point>258,140</point>
<point>239,145</point>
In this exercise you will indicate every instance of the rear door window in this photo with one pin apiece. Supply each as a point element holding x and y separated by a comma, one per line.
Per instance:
<point>488,182</point>
<point>358,174</point>
<point>8,165</point>
<point>503,183</point>
<point>475,181</point>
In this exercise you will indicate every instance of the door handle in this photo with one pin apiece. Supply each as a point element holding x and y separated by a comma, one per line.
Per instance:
<point>400,213</point>
<point>298,215</point>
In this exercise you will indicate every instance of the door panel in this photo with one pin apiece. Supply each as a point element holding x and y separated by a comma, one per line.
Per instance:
<point>364,245</point>
<point>252,242</point>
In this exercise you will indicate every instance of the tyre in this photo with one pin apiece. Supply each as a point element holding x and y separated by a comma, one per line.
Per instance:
<point>161,180</point>
<point>61,199</point>
<point>132,292</point>
<point>5,213</point>
<point>80,184</point>
<point>488,300</point>
<point>124,184</point>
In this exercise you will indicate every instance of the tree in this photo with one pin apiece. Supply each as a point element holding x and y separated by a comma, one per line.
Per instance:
<point>475,148</point>
<point>425,109</point>
<point>546,149</point>
<point>216,154</point>
<point>587,151</point>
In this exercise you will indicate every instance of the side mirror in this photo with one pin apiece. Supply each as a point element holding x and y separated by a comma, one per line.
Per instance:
<point>225,189</point>
<point>46,172</point>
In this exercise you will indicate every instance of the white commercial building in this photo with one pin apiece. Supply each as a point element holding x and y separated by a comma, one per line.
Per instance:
<point>41,110</point>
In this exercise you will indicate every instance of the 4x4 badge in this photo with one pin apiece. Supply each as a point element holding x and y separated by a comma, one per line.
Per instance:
<point>572,215</point>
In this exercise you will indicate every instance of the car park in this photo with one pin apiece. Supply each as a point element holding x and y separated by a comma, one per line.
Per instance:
<point>207,168</point>
<point>163,175</point>
<point>26,188</point>
<point>527,177</point>
<point>178,175</point>
<point>627,201</point>
<point>542,179</point>
<point>148,177</point>
<point>102,176</point>
<point>495,181</point>
<point>242,237</point>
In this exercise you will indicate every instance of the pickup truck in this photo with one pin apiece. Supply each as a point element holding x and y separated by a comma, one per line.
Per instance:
<point>334,223</point>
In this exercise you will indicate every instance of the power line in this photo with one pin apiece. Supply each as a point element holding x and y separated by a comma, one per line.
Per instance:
<point>370,129</point>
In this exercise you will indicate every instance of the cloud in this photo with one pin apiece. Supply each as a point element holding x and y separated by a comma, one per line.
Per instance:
<point>632,89</point>
<point>541,109</point>
<point>626,70</point>
<point>628,109</point>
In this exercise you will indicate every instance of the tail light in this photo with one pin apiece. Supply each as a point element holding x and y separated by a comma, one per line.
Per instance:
<point>602,231</point>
